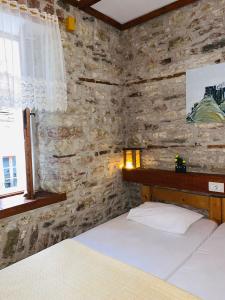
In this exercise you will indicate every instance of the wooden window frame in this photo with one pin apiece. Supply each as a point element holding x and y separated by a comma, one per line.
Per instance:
<point>14,205</point>
<point>28,153</point>
<point>18,202</point>
<point>30,194</point>
<point>11,194</point>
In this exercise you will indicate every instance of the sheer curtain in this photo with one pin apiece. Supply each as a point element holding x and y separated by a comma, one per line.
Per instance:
<point>32,72</point>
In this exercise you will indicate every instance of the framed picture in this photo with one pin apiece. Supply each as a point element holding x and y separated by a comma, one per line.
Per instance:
<point>205,94</point>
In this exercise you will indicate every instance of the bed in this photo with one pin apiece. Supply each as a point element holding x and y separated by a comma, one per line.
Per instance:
<point>71,271</point>
<point>108,261</point>
<point>153,251</point>
<point>204,273</point>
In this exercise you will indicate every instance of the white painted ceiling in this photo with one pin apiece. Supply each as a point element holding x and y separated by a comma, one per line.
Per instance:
<point>126,10</point>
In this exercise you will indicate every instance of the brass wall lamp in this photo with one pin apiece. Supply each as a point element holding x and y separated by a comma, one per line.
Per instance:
<point>132,158</point>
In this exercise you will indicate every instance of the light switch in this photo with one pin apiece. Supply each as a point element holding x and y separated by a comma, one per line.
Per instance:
<point>216,187</point>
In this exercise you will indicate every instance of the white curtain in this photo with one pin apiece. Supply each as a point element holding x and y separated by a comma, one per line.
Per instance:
<point>32,72</point>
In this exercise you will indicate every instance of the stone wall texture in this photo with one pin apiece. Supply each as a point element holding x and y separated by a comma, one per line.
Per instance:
<point>78,152</point>
<point>124,89</point>
<point>158,53</point>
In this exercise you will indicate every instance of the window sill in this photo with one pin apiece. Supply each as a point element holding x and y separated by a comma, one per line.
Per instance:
<point>14,205</point>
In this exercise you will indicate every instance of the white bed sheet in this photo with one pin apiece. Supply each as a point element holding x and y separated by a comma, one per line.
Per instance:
<point>204,273</point>
<point>153,251</point>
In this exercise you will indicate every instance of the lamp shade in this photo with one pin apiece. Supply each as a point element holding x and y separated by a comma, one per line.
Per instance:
<point>132,158</point>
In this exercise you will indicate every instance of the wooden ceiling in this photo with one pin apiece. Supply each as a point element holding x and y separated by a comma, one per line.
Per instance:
<point>86,6</point>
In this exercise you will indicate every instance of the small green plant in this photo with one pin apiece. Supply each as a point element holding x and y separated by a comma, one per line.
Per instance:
<point>180,161</point>
<point>180,164</point>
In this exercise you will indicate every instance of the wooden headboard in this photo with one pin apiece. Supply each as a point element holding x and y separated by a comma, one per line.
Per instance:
<point>204,202</point>
<point>190,189</point>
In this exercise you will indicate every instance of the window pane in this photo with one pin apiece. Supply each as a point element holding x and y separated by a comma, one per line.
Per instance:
<point>14,182</point>
<point>10,183</point>
<point>5,162</point>
<point>7,183</point>
<point>12,168</point>
<point>14,172</point>
<point>12,158</point>
<point>14,161</point>
<point>6,173</point>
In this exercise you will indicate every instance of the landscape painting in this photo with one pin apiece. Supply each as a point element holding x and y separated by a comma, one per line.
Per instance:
<point>205,94</point>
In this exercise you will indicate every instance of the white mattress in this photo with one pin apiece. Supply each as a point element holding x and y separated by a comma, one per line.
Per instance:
<point>153,251</point>
<point>204,273</point>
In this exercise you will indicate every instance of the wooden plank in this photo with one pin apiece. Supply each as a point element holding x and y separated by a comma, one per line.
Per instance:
<point>86,3</point>
<point>180,197</point>
<point>11,194</point>
<point>190,181</point>
<point>28,153</point>
<point>215,209</point>
<point>223,210</point>
<point>214,205</point>
<point>146,194</point>
<point>18,204</point>
<point>156,13</point>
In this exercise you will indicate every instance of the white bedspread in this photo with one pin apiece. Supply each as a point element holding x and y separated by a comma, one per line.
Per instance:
<point>151,250</point>
<point>71,271</point>
<point>204,273</point>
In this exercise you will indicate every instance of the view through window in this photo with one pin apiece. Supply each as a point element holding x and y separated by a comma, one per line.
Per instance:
<point>12,155</point>
<point>12,158</point>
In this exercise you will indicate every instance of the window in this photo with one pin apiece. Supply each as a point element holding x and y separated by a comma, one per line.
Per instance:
<point>9,171</point>
<point>12,153</point>
<point>29,78</point>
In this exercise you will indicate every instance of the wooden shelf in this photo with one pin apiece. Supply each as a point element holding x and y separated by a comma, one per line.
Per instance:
<point>190,181</point>
<point>18,204</point>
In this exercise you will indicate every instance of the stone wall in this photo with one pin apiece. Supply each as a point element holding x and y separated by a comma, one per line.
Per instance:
<point>79,152</point>
<point>158,53</point>
<point>124,89</point>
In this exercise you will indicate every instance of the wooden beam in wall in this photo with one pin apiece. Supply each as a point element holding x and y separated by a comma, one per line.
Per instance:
<point>157,13</point>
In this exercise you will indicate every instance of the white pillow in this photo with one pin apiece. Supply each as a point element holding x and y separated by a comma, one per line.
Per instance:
<point>166,217</point>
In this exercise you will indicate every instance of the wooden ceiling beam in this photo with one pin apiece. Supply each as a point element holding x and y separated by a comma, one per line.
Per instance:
<point>95,13</point>
<point>85,5</point>
<point>82,4</point>
<point>156,13</point>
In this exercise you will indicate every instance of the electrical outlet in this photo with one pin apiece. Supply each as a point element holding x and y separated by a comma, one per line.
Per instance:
<point>216,187</point>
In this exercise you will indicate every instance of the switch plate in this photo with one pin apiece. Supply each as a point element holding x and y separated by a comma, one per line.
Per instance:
<point>216,187</point>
